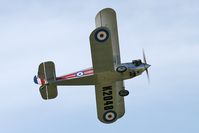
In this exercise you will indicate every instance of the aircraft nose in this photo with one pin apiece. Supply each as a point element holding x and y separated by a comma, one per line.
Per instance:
<point>147,66</point>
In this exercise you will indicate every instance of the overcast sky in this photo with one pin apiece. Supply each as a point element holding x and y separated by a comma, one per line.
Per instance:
<point>41,30</point>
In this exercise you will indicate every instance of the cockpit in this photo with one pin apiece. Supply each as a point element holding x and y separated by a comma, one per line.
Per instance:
<point>137,62</point>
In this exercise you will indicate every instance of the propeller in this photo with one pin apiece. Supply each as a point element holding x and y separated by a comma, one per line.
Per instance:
<point>146,68</point>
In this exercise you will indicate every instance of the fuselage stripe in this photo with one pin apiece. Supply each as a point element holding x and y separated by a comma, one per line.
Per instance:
<point>86,72</point>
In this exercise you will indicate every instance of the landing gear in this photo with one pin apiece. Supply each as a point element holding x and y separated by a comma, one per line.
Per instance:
<point>124,93</point>
<point>121,69</point>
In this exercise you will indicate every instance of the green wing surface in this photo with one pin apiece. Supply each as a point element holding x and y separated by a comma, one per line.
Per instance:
<point>107,18</point>
<point>106,101</point>
<point>120,99</point>
<point>109,106</point>
<point>101,50</point>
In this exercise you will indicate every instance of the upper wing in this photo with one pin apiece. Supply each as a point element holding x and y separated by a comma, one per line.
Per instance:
<point>101,50</point>
<point>104,42</point>
<point>107,18</point>
<point>110,105</point>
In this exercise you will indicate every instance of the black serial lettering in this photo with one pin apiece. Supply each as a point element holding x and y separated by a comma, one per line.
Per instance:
<point>107,88</point>
<point>108,98</point>
<point>107,93</point>
<point>108,107</point>
<point>108,102</point>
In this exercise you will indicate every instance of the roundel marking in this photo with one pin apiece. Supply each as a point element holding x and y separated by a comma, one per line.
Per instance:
<point>79,74</point>
<point>110,116</point>
<point>101,35</point>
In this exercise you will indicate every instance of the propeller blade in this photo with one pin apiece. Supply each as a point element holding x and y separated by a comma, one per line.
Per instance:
<point>147,73</point>
<point>144,57</point>
<point>146,68</point>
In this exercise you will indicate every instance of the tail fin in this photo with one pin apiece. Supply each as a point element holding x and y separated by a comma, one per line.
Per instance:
<point>46,75</point>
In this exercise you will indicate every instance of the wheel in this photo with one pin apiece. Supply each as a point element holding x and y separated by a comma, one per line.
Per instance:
<point>121,69</point>
<point>124,93</point>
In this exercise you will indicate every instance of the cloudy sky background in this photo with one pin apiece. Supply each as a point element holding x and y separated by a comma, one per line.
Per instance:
<point>35,31</point>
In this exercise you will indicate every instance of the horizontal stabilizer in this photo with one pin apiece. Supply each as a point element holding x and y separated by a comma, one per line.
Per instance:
<point>47,71</point>
<point>48,91</point>
<point>46,75</point>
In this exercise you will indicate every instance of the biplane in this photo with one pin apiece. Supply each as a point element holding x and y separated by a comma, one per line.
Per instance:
<point>107,74</point>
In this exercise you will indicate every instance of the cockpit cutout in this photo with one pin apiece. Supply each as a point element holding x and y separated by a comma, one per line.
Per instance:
<point>137,62</point>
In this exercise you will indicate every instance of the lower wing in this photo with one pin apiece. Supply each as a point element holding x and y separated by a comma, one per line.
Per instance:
<point>110,105</point>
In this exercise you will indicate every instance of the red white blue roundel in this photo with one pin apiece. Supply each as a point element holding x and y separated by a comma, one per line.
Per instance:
<point>101,35</point>
<point>110,116</point>
<point>79,74</point>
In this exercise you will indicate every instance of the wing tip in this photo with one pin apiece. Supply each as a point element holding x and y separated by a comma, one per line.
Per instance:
<point>109,10</point>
